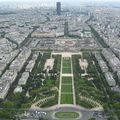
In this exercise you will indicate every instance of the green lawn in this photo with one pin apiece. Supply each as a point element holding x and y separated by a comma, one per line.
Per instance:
<point>66,70</point>
<point>66,66</point>
<point>66,88</point>
<point>66,63</point>
<point>67,80</point>
<point>66,98</point>
<point>66,115</point>
<point>50,82</point>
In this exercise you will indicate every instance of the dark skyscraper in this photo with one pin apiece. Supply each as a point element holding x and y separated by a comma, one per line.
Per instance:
<point>66,31</point>
<point>58,9</point>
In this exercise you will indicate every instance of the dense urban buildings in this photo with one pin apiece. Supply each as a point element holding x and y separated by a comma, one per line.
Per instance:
<point>60,64</point>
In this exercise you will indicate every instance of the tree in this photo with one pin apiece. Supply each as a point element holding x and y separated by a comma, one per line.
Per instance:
<point>111,118</point>
<point>91,119</point>
<point>5,114</point>
<point>8,104</point>
<point>42,119</point>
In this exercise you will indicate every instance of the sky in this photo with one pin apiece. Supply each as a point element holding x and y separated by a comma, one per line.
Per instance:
<point>67,0</point>
<point>64,2</point>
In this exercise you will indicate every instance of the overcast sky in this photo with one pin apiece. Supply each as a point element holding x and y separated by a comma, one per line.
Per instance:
<point>66,0</point>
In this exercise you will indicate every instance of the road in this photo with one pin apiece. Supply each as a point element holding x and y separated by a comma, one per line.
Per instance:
<point>85,114</point>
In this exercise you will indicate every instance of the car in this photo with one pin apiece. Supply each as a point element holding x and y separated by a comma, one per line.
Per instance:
<point>43,113</point>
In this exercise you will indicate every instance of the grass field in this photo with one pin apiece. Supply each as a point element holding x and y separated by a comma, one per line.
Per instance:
<point>66,115</point>
<point>66,62</point>
<point>66,70</point>
<point>67,80</point>
<point>66,88</point>
<point>67,98</point>
<point>66,66</point>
